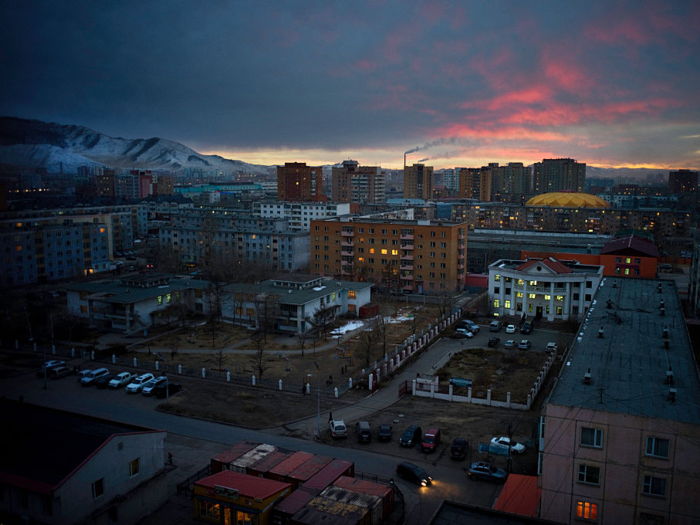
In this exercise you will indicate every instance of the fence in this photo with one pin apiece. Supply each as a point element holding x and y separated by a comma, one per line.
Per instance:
<point>187,486</point>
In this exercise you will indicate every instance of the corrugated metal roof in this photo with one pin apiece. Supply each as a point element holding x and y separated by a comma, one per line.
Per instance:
<point>341,494</point>
<point>250,457</point>
<point>329,474</point>
<point>235,452</point>
<point>295,501</point>
<point>520,495</point>
<point>309,468</point>
<point>363,486</point>
<point>251,486</point>
<point>287,466</point>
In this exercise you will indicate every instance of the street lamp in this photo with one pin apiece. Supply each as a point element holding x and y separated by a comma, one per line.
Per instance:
<point>318,414</point>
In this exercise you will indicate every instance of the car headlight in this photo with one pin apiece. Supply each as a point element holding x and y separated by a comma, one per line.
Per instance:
<point>424,483</point>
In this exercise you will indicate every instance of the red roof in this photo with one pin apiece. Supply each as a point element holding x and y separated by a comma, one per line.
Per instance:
<point>227,456</point>
<point>250,486</point>
<point>549,262</point>
<point>520,495</point>
<point>631,245</point>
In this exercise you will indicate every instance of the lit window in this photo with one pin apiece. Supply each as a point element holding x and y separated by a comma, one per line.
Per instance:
<point>371,250</point>
<point>496,303</point>
<point>506,304</point>
<point>547,297</point>
<point>520,282</point>
<point>533,283</point>
<point>657,447</point>
<point>134,467</point>
<point>531,296</point>
<point>384,252</point>
<point>160,299</point>
<point>394,252</point>
<point>519,294</point>
<point>496,277</point>
<point>560,297</point>
<point>352,294</point>
<point>587,511</point>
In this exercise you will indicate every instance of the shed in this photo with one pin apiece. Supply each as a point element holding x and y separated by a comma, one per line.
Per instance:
<point>282,470</point>
<point>283,512</point>
<point>308,469</point>
<point>221,461</point>
<point>369,310</point>
<point>263,466</point>
<point>520,495</point>
<point>372,503</point>
<point>369,487</point>
<point>328,474</point>
<point>251,457</point>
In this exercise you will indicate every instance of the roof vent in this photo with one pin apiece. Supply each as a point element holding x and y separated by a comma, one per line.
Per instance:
<point>665,333</point>
<point>615,283</point>
<point>672,395</point>
<point>662,312</point>
<point>609,304</point>
<point>600,332</point>
<point>669,376</point>
<point>587,377</point>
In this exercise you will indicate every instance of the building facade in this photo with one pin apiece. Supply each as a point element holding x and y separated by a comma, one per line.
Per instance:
<point>358,184</point>
<point>300,214</point>
<point>558,175</point>
<point>682,181</point>
<point>417,256</point>
<point>298,182</point>
<point>475,183</point>
<point>418,182</point>
<point>542,288</point>
<point>619,432</point>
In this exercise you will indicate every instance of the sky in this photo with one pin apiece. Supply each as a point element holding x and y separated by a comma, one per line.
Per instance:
<point>460,83</point>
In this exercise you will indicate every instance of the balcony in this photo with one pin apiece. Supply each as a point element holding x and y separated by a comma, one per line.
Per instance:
<point>347,244</point>
<point>407,246</point>
<point>461,236</point>
<point>406,267</point>
<point>406,237</point>
<point>460,256</point>
<point>407,288</point>
<point>407,257</point>
<point>347,233</point>
<point>407,277</point>
<point>345,263</point>
<point>347,252</point>
<point>460,266</point>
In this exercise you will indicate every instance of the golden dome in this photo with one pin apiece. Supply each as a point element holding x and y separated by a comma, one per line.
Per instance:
<point>568,200</point>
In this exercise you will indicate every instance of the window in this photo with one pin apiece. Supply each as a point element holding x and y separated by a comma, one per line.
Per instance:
<point>507,303</point>
<point>352,294</point>
<point>657,447</point>
<point>589,474</point>
<point>591,437</point>
<point>497,289</point>
<point>134,467</point>
<point>587,510</point>
<point>209,510</point>
<point>496,277</point>
<point>98,488</point>
<point>654,486</point>
<point>496,303</point>
<point>532,296</point>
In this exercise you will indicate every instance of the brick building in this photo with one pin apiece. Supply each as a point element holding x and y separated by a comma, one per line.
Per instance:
<point>358,184</point>
<point>418,182</point>
<point>298,182</point>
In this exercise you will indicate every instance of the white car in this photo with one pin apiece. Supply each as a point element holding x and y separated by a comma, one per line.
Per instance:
<point>338,428</point>
<point>551,347</point>
<point>138,383</point>
<point>49,365</point>
<point>510,329</point>
<point>148,388</point>
<point>121,380</point>
<point>83,373</point>
<point>504,441</point>
<point>92,377</point>
<point>463,332</point>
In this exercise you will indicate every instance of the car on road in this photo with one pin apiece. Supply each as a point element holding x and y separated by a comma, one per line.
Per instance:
<point>551,347</point>
<point>147,389</point>
<point>504,441</point>
<point>493,342</point>
<point>458,450</point>
<point>337,428</point>
<point>487,472</point>
<point>524,344</point>
<point>167,389</point>
<point>510,343</point>
<point>470,325</point>
<point>411,436</point>
<point>137,383</point>
<point>463,333</point>
<point>103,382</point>
<point>83,373</point>
<point>59,372</point>
<point>413,473</point>
<point>526,328</point>
<point>121,380</point>
<point>384,433</point>
<point>495,326</point>
<point>510,329</point>
<point>48,365</point>
<point>92,377</point>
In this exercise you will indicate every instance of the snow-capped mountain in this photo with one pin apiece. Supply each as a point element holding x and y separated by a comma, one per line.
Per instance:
<point>57,147</point>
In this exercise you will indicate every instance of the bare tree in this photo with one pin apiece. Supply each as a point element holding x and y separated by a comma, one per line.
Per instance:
<point>266,310</point>
<point>369,338</point>
<point>259,356</point>
<point>323,317</point>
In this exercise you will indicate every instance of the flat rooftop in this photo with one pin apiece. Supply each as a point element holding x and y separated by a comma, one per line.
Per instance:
<point>628,365</point>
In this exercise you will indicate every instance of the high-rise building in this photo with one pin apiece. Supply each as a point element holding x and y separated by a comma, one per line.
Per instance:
<point>475,183</point>
<point>106,184</point>
<point>508,180</point>
<point>298,182</point>
<point>418,182</point>
<point>399,255</point>
<point>557,175</point>
<point>450,178</point>
<point>682,181</point>
<point>358,184</point>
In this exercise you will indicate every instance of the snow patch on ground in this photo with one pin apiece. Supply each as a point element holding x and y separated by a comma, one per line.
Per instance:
<point>349,327</point>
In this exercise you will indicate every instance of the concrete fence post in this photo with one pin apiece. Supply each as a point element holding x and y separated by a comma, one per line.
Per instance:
<point>53,349</point>
<point>157,366</point>
<point>92,355</point>
<point>335,391</point>
<point>228,377</point>
<point>488,396</point>
<point>469,394</point>
<point>529,401</point>
<point>136,363</point>
<point>204,372</point>
<point>379,375</point>
<point>253,379</point>
<point>280,383</point>
<point>349,384</point>
<point>451,392</point>
<point>72,352</point>
<point>179,370</point>
<point>432,390</point>
<point>508,399</point>
<point>384,369</point>
<point>371,381</point>
<point>114,359</point>
<point>307,388</point>
<point>413,387</point>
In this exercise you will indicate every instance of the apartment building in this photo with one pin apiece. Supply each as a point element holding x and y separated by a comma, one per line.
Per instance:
<point>300,214</point>
<point>298,182</point>
<point>409,256</point>
<point>543,288</point>
<point>475,183</point>
<point>418,182</point>
<point>557,175</point>
<point>358,184</point>
<point>682,181</point>
<point>619,433</point>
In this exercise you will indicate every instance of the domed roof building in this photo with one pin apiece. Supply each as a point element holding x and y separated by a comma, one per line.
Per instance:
<point>567,200</point>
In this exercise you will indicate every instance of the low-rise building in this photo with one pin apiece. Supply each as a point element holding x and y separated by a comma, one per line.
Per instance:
<point>300,214</point>
<point>555,290</point>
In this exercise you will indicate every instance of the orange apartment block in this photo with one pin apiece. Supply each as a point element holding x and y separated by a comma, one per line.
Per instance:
<point>408,256</point>
<point>297,182</point>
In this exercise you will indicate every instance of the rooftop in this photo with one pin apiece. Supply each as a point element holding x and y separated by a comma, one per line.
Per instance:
<point>131,290</point>
<point>250,486</point>
<point>295,295</point>
<point>628,365</point>
<point>632,243</point>
<point>550,265</point>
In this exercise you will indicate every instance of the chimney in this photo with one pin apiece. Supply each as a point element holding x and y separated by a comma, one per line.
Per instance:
<point>587,377</point>
<point>669,376</point>
<point>672,395</point>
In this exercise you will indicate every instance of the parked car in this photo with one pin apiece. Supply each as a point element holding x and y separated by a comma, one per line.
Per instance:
<point>431,439</point>
<point>147,389</point>
<point>463,333</point>
<point>337,428</point>
<point>167,389</point>
<point>494,342</point>
<point>495,326</point>
<point>119,254</point>
<point>137,383</point>
<point>551,347</point>
<point>510,343</point>
<point>526,328</point>
<point>130,258</point>
<point>487,472</point>
<point>524,344</point>
<point>458,450</point>
<point>470,325</point>
<point>121,380</point>
<point>411,436</point>
<point>363,432</point>
<point>504,441</point>
<point>59,372</point>
<point>48,365</point>
<point>103,382</point>
<point>510,329</point>
<point>413,473</point>
<point>83,373</point>
<point>92,377</point>
<point>384,433</point>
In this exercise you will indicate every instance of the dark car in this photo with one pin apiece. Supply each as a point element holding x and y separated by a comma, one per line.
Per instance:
<point>411,436</point>
<point>494,342</point>
<point>103,382</point>
<point>526,328</point>
<point>384,433</point>
<point>414,473</point>
<point>59,372</point>
<point>487,472</point>
<point>459,448</point>
<point>363,432</point>
<point>172,388</point>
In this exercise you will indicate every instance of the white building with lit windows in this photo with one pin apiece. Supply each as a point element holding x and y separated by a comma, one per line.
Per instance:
<point>542,288</point>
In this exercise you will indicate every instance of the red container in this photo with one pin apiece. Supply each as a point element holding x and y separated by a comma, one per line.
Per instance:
<point>308,469</point>
<point>374,504</point>
<point>262,467</point>
<point>288,507</point>
<point>221,461</point>
<point>328,474</point>
<point>368,487</point>
<point>282,470</point>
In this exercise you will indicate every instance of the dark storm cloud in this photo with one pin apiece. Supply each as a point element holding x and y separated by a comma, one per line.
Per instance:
<point>498,78</point>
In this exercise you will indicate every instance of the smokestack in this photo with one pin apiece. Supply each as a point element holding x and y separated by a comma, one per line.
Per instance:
<point>404,163</point>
